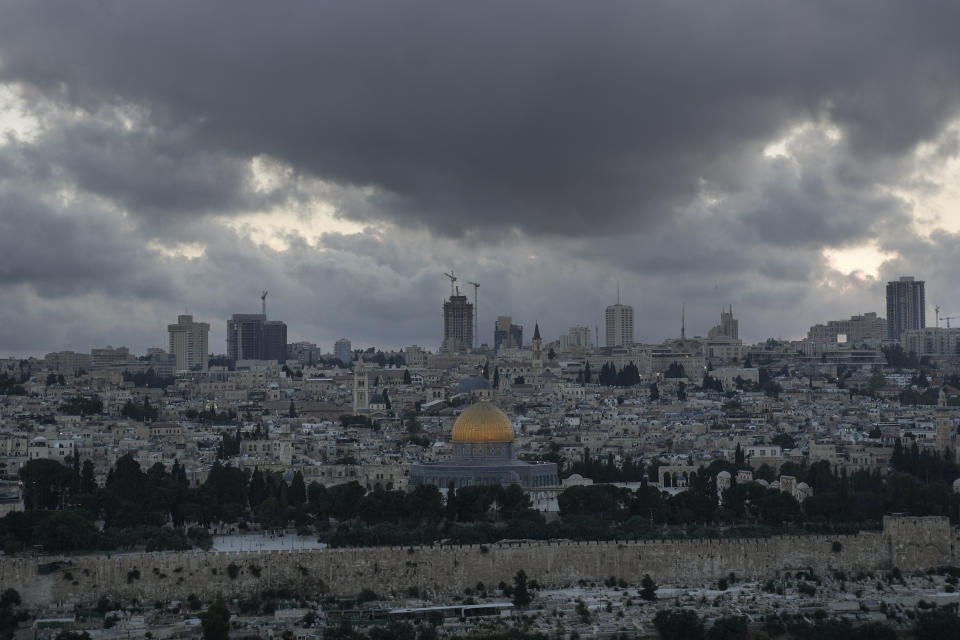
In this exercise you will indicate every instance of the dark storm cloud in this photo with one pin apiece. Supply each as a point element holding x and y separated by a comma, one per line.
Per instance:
<point>549,117</point>
<point>544,149</point>
<point>65,244</point>
<point>147,170</point>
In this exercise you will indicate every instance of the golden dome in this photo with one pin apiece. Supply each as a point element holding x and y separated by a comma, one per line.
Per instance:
<point>482,422</point>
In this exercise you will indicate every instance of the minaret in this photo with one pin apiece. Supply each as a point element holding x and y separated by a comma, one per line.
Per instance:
<point>536,345</point>
<point>944,424</point>
<point>361,390</point>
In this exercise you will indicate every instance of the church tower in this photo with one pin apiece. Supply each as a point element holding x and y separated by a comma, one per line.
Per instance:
<point>536,345</point>
<point>361,390</point>
<point>944,425</point>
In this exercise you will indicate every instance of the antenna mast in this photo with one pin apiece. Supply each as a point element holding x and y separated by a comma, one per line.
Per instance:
<point>263,303</point>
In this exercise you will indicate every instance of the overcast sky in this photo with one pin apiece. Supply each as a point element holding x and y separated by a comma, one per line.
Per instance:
<point>784,157</point>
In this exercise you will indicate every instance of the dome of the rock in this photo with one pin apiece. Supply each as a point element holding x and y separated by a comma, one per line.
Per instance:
<point>482,423</point>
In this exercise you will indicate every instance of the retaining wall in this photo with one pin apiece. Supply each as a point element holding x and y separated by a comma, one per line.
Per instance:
<point>908,543</point>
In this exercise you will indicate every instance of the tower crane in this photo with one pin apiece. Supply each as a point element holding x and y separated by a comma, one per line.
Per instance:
<point>476,312</point>
<point>453,280</point>
<point>936,310</point>
<point>263,302</point>
<point>949,318</point>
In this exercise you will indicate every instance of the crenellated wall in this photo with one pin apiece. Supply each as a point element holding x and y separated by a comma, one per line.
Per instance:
<point>908,543</point>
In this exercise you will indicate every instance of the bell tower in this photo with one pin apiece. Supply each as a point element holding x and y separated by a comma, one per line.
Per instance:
<point>536,345</point>
<point>361,389</point>
<point>944,424</point>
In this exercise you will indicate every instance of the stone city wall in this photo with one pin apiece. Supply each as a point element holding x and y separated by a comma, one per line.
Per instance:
<point>908,543</point>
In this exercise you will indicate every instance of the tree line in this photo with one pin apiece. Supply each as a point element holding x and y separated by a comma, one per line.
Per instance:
<point>157,508</point>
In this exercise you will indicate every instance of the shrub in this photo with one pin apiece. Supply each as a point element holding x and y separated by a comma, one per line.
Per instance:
<point>367,595</point>
<point>683,624</point>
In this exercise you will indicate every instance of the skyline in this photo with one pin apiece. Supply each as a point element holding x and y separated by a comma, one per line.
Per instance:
<point>786,159</point>
<point>694,334</point>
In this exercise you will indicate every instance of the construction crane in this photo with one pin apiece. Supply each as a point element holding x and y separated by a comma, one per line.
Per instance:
<point>949,318</point>
<point>936,310</point>
<point>453,280</point>
<point>476,312</point>
<point>263,302</point>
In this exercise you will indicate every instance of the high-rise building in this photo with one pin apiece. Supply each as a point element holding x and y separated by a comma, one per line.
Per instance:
<point>108,356</point>
<point>619,325</point>
<point>250,336</point>
<point>931,341</point>
<point>906,306</point>
<point>343,351</point>
<point>273,344</point>
<point>729,326</point>
<point>189,343</point>
<point>576,338</point>
<point>67,362</point>
<point>457,325</point>
<point>245,336</point>
<point>506,334</point>
<point>306,353</point>
<point>867,327</point>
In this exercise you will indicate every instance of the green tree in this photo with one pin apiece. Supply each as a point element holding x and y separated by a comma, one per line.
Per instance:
<point>139,412</point>
<point>216,621</point>
<point>521,593</point>
<point>271,514</point>
<point>728,628</point>
<point>739,458</point>
<point>877,380</point>
<point>682,624</point>
<point>82,406</point>
<point>648,588</point>
<point>71,530</point>
<point>292,411</point>
<point>654,392</point>
<point>675,370</point>
<point>406,376</point>
<point>10,617</point>
<point>784,440</point>
<point>939,624</point>
<point>298,489</point>
<point>88,481</point>
<point>45,483</point>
